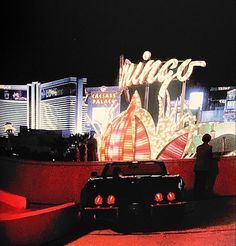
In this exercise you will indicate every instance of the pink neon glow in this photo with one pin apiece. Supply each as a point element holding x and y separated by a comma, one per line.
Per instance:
<point>126,138</point>
<point>174,149</point>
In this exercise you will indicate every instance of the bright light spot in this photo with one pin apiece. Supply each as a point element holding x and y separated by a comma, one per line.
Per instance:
<point>111,200</point>
<point>146,55</point>
<point>158,197</point>
<point>98,200</point>
<point>171,196</point>
<point>99,114</point>
<point>196,100</point>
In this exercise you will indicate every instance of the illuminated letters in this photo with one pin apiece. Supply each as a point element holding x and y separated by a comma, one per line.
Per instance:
<point>103,98</point>
<point>156,71</point>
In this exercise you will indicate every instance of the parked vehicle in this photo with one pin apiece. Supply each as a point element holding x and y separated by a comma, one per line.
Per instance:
<point>133,191</point>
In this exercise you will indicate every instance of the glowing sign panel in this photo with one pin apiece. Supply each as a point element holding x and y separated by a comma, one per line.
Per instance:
<point>133,134</point>
<point>152,71</point>
<point>196,100</point>
<point>103,98</point>
<point>58,91</point>
<point>17,95</point>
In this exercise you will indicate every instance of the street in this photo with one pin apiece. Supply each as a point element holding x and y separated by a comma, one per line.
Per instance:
<point>209,222</point>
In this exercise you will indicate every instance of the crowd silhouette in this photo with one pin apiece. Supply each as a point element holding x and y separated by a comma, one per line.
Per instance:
<point>78,147</point>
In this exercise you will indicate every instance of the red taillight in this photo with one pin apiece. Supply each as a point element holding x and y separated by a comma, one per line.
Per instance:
<point>158,197</point>
<point>171,196</point>
<point>98,200</point>
<point>111,200</point>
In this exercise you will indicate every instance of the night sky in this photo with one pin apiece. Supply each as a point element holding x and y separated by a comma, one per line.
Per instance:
<point>48,40</point>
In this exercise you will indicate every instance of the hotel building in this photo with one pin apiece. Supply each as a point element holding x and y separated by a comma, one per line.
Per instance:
<point>63,105</point>
<point>14,107</point>
<point>55,105</point>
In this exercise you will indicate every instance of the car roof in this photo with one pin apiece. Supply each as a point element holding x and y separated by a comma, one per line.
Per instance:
<point>115,163</point>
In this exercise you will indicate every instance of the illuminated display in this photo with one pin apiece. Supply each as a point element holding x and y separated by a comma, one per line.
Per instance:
<point>103,98</point>
<point>59,91</point>
<point>231,105</point>
<point>133,134</point>
<point>126,138</point>
<point>196,100</point>
<point>17,95</point>
<point>152,71</point>
<point>103,106</point>
<point>175,149</point>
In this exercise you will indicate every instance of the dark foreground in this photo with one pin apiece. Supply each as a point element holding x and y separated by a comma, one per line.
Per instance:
<point>207,222</point>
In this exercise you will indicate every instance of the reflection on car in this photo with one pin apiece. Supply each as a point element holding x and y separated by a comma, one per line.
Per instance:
<point>133,191</point>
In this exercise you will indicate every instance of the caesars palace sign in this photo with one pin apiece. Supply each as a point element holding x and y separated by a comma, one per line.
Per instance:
<point>151,71</point>
<point>103,97</point>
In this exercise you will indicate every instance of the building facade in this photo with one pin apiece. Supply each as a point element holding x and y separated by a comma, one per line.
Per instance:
<point>55,105</point>
<point>68,106</point>
<point>221,105</point>
<point>14,106</point>
<point>61,105</point>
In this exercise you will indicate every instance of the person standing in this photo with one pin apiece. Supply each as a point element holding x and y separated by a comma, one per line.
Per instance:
<point>204,159</point>
<point>83,147</point>
<point>92,148</point>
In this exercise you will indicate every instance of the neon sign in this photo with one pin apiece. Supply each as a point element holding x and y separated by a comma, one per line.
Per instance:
<point>103,98</point>
<point>133,135</point>
<point>151,71</point>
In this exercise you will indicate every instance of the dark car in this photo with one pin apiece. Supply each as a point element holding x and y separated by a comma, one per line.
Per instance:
<point>133,191</point>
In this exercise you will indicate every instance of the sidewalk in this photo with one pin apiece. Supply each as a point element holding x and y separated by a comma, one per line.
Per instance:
<point>36,225</point>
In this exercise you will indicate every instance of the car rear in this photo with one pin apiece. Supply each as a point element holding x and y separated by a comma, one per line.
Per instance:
<point>137,197</point>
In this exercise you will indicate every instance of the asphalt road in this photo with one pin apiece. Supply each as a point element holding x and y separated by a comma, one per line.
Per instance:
<point>209,222</point>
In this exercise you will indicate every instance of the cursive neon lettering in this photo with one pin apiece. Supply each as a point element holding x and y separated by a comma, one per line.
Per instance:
<point>137,72</point>
<point>146,70</point>
<point>152,76</point>
<point>164,73</point>
<point>189,69</point>
<point>131,70</point>
<point>156,71</point>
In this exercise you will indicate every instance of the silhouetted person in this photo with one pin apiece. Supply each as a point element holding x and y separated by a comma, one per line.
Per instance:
<point>92,148</point>
<point>83,147</point>
<point>213,172</point>
<point>202,167</point>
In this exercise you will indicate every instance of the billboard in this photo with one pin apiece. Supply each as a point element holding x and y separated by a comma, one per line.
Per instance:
<point>16,95</point>
<point>103,105</point>
<point>58,91</point>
